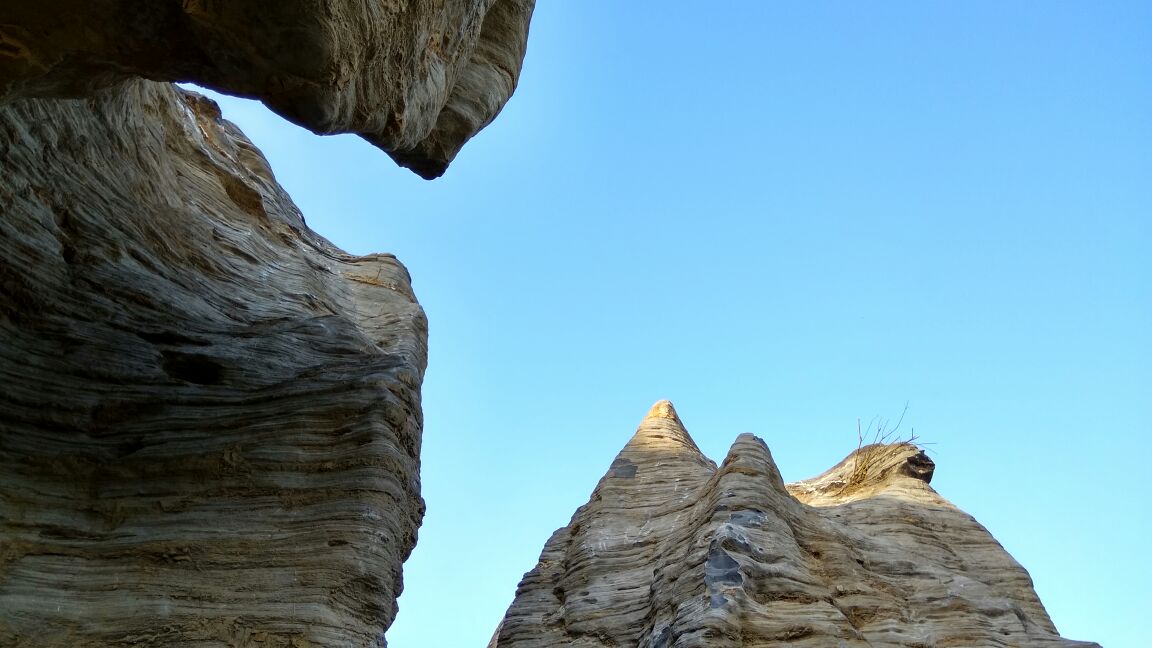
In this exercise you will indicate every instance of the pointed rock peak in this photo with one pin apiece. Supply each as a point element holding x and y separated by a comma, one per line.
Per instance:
<point>663,409</point>
<point>750,455</point>
<point>659,463</point>
<point>662,432</point>
<point>750,446</point>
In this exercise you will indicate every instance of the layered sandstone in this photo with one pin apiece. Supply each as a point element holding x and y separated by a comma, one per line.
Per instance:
<point>673,551</point>
<point>417,78</point>
<point>209,415</point>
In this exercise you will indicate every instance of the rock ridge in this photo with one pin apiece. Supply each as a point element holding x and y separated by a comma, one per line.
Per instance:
<point>865,555</point>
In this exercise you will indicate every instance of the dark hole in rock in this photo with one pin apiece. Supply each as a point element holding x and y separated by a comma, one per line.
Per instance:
<point>721,569</point>
<point>130,447</point>
<point>623,468</point>
<point>168,337</point>
<point>192,368</point>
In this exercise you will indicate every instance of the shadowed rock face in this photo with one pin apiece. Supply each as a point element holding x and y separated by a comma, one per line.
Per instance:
<point>209,416</point>
<point>672,551</point>
<point>417,78</point>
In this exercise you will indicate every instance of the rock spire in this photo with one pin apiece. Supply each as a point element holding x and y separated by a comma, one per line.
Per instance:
<point>672,551</point>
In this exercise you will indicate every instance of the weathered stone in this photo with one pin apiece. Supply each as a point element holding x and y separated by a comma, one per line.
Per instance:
<point>417,78</point>
<point>675,552</point>
<point>209,415</point>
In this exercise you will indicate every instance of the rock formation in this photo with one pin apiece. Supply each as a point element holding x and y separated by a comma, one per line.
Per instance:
<point>417,78</point>
<point>210,420</point>
<point>673,552</point>
<point>209,415</point>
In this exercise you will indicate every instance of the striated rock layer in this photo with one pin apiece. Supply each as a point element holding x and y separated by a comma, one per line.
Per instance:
<point>209,416</point>
<point>417,78</point>
<point>672,551</point>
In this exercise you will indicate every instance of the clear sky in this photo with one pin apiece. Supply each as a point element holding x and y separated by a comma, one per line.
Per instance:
<point>782,216</point>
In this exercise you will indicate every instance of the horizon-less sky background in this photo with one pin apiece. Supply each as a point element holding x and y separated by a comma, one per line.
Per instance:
<point>783,216</point>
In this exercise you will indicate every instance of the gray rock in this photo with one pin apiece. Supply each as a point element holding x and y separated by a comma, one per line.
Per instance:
<point>679,553</point>
<point>416,78</point>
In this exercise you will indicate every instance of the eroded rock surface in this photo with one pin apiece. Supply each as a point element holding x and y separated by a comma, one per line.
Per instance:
<point>209,416</point>
<point>672,551</point>
<point>417,78</point>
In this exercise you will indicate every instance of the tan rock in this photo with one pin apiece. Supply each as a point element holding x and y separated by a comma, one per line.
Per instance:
<point>672,551</point>
<point>209,415</point>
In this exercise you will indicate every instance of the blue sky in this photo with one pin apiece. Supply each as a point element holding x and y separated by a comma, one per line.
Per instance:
<point>784,217</point>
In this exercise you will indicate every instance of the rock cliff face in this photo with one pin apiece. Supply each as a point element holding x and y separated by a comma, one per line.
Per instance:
<point>209,415</point>
<point>417,78</point>
<point>673,551</point>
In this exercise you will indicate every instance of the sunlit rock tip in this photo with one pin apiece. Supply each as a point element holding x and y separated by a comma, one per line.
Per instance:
<point>673,552</point>
<point>662,432</point>
<point>663,409</point>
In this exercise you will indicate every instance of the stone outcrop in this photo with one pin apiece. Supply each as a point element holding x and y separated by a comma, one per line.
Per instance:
<point>209,415</point>
<point>672,551</point>
<point>417,78</point>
